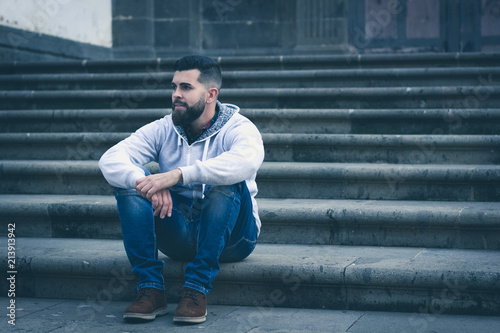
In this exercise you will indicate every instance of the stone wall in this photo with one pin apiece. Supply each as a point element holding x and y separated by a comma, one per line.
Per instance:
<point>97,29</point>
<point>227,27</point>
<point>55,29</point>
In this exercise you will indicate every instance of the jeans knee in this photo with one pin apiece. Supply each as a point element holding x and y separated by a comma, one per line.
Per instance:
<point>239,251</point>
<point>125,191</point>
<point>227,190</point>
<point>130,199</point>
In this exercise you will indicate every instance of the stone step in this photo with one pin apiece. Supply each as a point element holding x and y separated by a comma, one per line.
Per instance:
<point>79,120</point>
<point>385,97</point>
<point>465,225</point>
<point>261,63</point>
<point>340,148</point>
<point>397,77</point>
<point>310,120</point>
<point>379,181</point>
<point>331,277</point>
<point>285,180</point>
<point>394,149</point>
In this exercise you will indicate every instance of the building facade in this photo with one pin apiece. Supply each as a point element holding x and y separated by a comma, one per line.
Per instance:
<point>59,29</point>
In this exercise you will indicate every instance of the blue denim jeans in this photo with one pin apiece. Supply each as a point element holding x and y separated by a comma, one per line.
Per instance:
<point>218,228</point>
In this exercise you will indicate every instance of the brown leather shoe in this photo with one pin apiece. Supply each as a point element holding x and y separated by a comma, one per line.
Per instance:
<point>150,302</point>
<point>192,308</point>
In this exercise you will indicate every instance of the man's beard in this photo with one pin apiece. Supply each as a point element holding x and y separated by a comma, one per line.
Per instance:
<point>189,114</point>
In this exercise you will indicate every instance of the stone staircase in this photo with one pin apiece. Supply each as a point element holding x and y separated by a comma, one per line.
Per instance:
<point>380,188</point>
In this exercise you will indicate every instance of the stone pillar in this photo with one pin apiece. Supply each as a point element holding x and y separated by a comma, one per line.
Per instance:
<point>133,29</point>
<point>176,27</point>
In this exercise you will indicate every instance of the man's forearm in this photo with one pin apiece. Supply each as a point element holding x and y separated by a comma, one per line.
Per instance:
<point>147,186</point>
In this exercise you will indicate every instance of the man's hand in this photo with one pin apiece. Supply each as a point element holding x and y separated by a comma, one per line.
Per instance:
<point>155,189</point>
<point>162,203</point>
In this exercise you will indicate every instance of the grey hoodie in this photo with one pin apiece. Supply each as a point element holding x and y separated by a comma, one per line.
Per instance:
<point>229,152</point>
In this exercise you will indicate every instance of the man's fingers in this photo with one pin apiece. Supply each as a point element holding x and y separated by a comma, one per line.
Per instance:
<point>154,201</point>
<point>150,185</point>
<point>166,209</point>
<point>141,186</point>
<point>157,204</point>
<point>149,191</point>
<point>140,181</point>
<point>171,204</point>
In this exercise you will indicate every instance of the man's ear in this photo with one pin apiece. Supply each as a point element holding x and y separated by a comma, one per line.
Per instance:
<point>212,94</point>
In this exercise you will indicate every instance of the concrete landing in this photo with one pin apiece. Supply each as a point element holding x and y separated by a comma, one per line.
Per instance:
<point>58,316</point>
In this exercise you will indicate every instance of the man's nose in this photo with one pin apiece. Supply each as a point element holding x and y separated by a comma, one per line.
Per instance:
<point>176,94</point>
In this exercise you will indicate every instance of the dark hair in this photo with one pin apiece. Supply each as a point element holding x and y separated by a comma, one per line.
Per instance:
<point>209,69</point>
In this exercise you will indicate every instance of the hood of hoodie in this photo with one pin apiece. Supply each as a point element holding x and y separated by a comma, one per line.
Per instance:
<point>226,111</point>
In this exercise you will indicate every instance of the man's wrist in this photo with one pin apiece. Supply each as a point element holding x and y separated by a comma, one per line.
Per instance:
<point>180,175</point>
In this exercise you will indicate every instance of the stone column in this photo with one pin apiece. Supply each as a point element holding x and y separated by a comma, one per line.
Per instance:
<point>133,29</point>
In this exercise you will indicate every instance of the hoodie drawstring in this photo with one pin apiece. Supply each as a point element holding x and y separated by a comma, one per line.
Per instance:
<point>205,150</point>
<point>203,158</point>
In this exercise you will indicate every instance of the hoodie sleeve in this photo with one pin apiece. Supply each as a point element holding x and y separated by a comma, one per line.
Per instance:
<point>239,162</point>
<point>120,164</point>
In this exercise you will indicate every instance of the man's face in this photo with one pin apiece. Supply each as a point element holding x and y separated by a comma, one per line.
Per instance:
<point>188,97</point>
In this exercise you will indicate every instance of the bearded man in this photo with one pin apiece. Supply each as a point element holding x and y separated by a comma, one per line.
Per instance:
<point>201,207</point>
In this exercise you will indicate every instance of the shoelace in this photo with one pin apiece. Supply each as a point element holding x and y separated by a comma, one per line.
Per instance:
<point>145,292</point>
<point>192,295</point>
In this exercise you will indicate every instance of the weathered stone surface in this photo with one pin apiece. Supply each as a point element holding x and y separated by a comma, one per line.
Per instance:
<point>281,147</point>
<point>56,315</point>
<point>310,180</point>
<point>379,190</point>
<point>385,97</point>
<point>407,276</point>
<point>373,77</point>
<point>467,225</point>
<point>263,62</point>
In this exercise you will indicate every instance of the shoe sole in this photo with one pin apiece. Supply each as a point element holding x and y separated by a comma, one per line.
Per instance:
<point>191,320</point>
<point>146,316</point>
